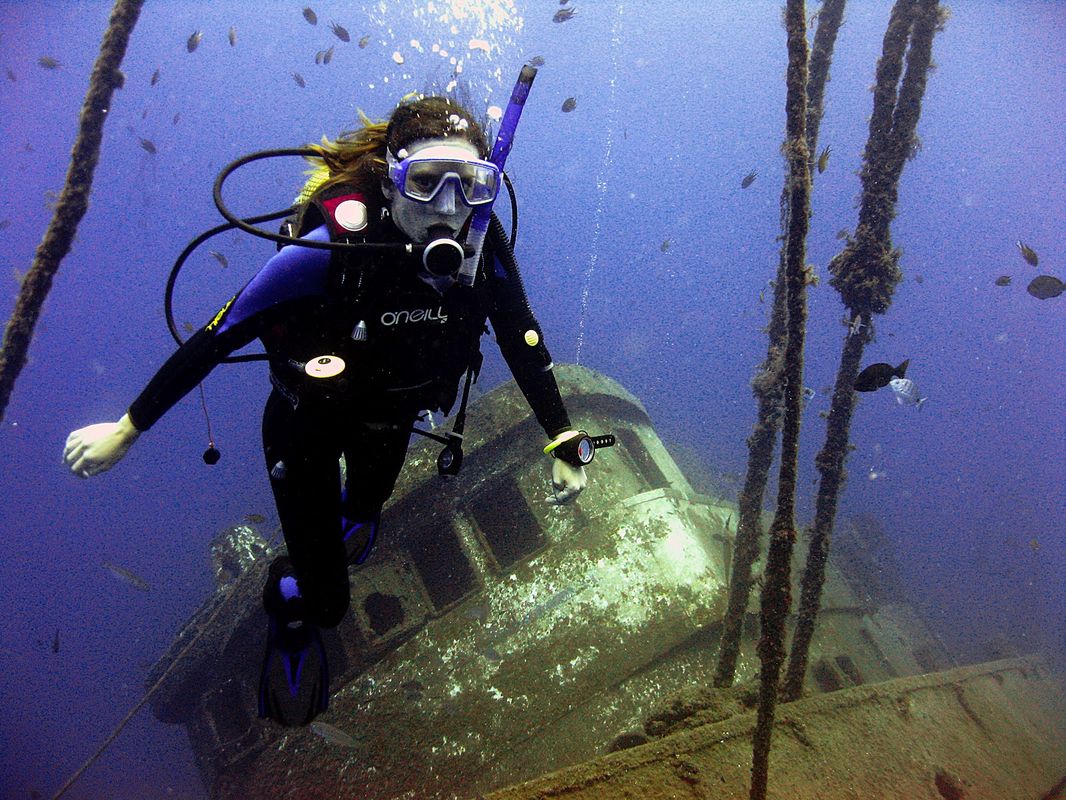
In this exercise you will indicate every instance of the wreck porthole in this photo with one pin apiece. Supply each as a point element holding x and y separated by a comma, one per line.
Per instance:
<point>641,459</point>
<point>847,666</point>
<point>826,677</point>
<point>383,611</point>
<point>504,519</point>
<point>226,708</point>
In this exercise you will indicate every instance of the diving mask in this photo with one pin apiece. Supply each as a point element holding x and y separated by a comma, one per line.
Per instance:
<point>420,177</point>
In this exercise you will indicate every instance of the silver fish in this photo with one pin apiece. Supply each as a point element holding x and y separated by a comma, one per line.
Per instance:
<point>906,392</point>
<point>333,734</point>
<point>136,581</point>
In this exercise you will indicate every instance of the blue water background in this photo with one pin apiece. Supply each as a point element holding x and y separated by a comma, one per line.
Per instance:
<point>674,106</point>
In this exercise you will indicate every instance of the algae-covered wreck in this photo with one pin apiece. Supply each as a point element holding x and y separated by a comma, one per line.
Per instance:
<point>495,636</point>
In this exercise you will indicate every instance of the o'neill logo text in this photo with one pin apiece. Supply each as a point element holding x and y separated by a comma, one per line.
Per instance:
<point>390,318</point>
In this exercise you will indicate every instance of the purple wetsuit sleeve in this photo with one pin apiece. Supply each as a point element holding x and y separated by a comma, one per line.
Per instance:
<point>294,273</point>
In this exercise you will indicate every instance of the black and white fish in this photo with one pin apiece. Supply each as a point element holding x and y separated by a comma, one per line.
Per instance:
<point>906,392</point>
<point>123,574</point>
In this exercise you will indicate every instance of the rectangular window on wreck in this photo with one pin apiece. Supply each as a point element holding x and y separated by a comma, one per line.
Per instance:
<point>641,459</point>
<point>510,529</point>
<point>442,565</point>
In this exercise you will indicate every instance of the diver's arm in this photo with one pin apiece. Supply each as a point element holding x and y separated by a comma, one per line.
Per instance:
<point>293,273</point>
<point>522,343</point>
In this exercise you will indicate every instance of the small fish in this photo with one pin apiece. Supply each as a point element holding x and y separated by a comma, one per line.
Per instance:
<point>854,325</point>
<point>339,31</point>
<point>906,392</point>
<point>1034,545</point>
<point>194,41</point>
<point>536,61</point>
<point>232,36</point>
<point>874,475</point>
<point>563,14</point>
<point>332,733</point>
<point>296,76</point>
<point>318,56</point>
<point>256,519</point>
<point>11,75</point>
<point>187,326</point>
<point>1044,287</point>
<point>310,16</point>
<point>665,246</point>
<point>843,233</point>
<point>478,612</point>
<point>147,145</point>
<point>823,159</point>
<point>155,78</point>
<point>748,179</point>
<point>364,41</point>
<point>136,581</point>
<point>808,394</point>
<point>55,642</point>
<point>1003,280</point>
<point>1028,253</point>
<point>328,55</point>
<point>48,62</point>
<point>221,259</point>
<point>877,376</point>
<point>569,104</point>
<point>177,116</point>
<point>144,114</point>
<point>919,279</point>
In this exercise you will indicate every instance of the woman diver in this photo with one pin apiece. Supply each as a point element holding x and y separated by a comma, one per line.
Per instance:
<point>359,342</point>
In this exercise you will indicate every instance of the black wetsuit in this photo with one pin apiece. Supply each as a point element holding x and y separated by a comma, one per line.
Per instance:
<point>304,304</point>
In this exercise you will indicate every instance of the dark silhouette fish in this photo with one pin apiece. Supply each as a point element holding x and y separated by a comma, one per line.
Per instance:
<point>48,62</point>
<point>339,31</point>
<point>748,179</point>
<point>155,78</point>
<point>823,159</point>
<point>364,41</point>
<point>147,145</point>
<point>232,36</point>
<point>1044,287</point>
<point>328,55</point>
<point>563,14</point>
<point>1028,253</point>
<point>123,574</point>
<point>877,376</point>
<point>1003,280</point>
<point>569,104</point>
<point>310,16</point>
<point>194,41</point>
<point>11,76</point>
<point>296,76</point>
<point>221,259</point>
<point>536,61</point>
<point>55,642</point>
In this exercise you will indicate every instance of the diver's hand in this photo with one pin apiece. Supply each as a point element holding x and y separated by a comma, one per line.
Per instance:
<point>97,448</point>
<point>568,482</point>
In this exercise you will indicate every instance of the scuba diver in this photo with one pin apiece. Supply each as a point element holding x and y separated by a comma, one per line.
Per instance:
<point>360,341</point>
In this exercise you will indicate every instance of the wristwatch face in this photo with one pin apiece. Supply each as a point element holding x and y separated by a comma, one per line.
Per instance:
<point>585,450</point>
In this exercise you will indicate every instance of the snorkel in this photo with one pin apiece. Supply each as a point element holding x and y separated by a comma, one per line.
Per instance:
<point>479,222</point>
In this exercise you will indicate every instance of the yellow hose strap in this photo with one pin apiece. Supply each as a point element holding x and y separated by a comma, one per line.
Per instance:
<point>565,436</point>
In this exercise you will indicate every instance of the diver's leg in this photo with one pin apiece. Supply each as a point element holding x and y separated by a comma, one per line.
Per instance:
<point>302,447</point>
<point>374,454</point>
<point>308,587</point>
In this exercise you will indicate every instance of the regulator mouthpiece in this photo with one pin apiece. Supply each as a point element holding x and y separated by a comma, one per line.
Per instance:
<point>443,255</point>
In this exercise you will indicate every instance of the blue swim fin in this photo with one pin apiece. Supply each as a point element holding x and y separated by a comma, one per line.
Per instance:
<point>294,684</point>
